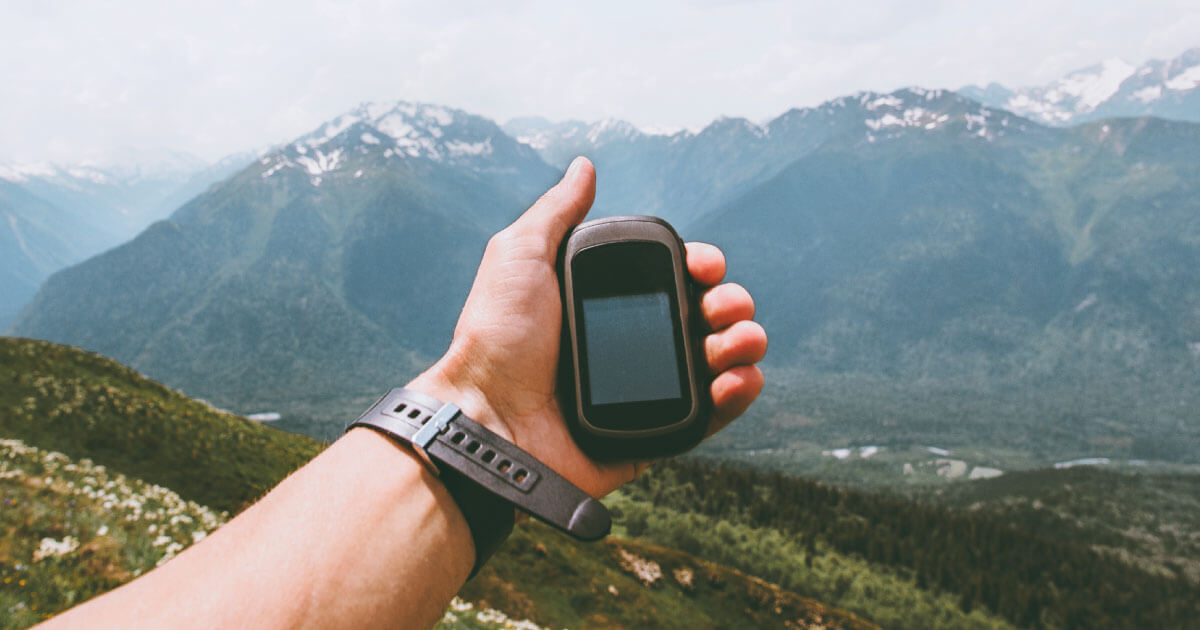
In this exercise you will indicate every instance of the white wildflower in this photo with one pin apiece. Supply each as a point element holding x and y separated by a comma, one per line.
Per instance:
<point>646,571</point>
<point>52,547</point>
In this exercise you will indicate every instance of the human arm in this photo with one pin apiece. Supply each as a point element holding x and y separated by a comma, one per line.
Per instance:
<point>364,535</point>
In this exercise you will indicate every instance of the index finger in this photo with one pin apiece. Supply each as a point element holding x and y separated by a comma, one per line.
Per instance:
<point>706,263</point>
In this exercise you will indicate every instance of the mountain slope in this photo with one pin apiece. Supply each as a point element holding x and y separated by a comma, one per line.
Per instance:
<point>85,405</point>
<point>977,272</point>
<point>76,526</point>
<point>1032,293</point>
<point>1167,89</point>
<point>58,216</point>
<point>330,268</point>
<point>35,240</point>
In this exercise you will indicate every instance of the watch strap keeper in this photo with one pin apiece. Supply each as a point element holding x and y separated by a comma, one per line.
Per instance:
<point>485,474</point>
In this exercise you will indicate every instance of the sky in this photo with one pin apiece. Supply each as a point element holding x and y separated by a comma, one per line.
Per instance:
<point>90,80</point>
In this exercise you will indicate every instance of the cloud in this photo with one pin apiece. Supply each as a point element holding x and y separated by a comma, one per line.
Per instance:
<point>217,77</point>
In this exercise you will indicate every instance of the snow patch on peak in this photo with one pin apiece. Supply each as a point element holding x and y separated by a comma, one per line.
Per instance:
<point>396,130</point>
<point>87,174</point>
<point>332,129</point>
<point>458,148</point>
<point>396,125</point>
<point>320,162</point>
<point>888,100</point>
<point>23,172</point>
<point>1186,80</point>
<point>1149,94</point>
<point>1093,87</point>
<point>662,130</point>
<point>911,117</point>
<point>374,111</point>
<point>610,128</point>
<point>439,115</point>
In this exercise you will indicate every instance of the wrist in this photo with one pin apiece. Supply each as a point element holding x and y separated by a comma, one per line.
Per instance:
<point>450,381</point>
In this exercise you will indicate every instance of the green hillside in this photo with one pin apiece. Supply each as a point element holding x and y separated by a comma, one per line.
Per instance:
<point>1150,520</point>
<point>1033,571</point>
<point>84,405</point>
<point>100,451</point>
<point>72,529</point>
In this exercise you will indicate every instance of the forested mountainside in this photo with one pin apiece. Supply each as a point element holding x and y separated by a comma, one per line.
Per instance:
<point>925,266</point>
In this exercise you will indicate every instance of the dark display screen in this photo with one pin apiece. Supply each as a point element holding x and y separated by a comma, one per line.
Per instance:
<point>632,363</point>
<point>631,348</point>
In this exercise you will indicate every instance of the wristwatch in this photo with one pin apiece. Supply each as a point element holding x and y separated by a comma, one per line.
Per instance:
<point>485,474</point>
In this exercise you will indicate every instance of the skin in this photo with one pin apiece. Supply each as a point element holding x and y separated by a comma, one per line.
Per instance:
<point>364,535</point>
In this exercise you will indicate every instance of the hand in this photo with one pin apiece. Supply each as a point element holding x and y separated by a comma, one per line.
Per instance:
<point>501,368</point>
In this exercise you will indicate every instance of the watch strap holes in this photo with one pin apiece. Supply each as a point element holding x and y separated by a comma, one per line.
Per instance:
<point>520,475</point>
<point>414,413</point>
<point>473,446</point>
<point>400,408</point>
<point>458,437</point>
<point>504,465</point>
<point>489,456</point>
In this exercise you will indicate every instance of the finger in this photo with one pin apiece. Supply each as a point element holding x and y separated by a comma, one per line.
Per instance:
<point>706,263</point>
<point>743,343</point>
<point>563,206</point>
<point>725,304</point>
<point>732,393</point>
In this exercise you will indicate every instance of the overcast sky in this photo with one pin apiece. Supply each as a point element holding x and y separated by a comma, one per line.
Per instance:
<point>85,79</point>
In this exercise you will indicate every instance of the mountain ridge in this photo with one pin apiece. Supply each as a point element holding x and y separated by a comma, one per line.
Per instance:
<point>307,248</point>
<point>56,216</point>
<point>917,236</point>
<point>1112,88</point>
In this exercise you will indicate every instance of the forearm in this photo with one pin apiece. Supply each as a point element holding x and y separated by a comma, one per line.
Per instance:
<point>362,536</point>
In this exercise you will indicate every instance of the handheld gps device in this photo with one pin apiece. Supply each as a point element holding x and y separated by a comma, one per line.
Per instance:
<point>633,380</point>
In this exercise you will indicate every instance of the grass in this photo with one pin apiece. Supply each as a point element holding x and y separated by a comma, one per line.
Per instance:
<point>72,530</point>
<point>85,405</point>
<point>108,523</point>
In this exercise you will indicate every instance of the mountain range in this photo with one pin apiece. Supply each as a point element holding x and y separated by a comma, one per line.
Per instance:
<point>918,239</point>
<point>334,264</point>
<point>1166,89</point>
<point>55,216</point>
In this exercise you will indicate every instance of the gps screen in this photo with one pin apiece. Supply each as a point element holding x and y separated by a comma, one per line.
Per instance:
<point>631,353</point>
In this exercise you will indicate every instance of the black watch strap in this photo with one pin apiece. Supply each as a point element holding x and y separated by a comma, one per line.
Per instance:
<point>471,458</point>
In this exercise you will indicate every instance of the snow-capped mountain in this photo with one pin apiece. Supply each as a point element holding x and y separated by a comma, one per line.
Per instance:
<point>912,233</point>
<point>376,135</point>
<point>685,174</point>
<point>360,236</point>
<point>1167,89</point>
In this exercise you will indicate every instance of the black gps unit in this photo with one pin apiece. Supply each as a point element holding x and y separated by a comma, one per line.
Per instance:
<point>633,380</point>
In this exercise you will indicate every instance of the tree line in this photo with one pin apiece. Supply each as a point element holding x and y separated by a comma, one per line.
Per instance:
<point>1014,571</point>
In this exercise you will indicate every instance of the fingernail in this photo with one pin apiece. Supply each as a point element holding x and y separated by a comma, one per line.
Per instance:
<point>573,169</point>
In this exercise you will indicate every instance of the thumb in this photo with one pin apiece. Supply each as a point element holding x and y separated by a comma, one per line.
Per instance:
<point>563,206</point>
